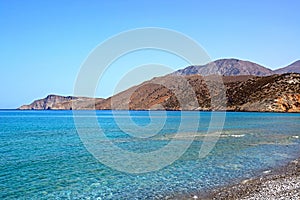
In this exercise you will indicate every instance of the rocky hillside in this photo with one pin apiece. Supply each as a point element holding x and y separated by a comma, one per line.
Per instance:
<point>275,93</point>
<point>56,102</point>
<point>227,67</point>
<point>292,68</point>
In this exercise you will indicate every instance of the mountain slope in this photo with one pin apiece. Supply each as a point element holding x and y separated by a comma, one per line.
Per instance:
<point>276,93</point>
<point>226,67</point>
<point>292,68</point>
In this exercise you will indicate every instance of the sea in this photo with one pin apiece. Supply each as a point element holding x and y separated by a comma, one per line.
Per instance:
<point>138,154</point>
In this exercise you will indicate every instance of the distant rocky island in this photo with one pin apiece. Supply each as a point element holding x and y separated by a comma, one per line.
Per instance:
<point>248,86</point>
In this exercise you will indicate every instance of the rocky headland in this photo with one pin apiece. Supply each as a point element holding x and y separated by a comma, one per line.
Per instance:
<point>57,102</point>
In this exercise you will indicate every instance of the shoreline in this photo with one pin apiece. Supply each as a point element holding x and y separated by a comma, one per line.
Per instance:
<point>278,183</point>
<point>229,111</point>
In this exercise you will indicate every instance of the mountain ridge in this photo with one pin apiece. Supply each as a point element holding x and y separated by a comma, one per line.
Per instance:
<point>226,67</point>
<point>234,67</point>
<point>254,89</point>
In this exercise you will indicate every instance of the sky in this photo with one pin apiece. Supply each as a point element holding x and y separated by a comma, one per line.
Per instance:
<point>43,44</point>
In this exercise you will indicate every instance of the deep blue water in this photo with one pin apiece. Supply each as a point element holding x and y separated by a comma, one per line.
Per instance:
<point>43,157</point>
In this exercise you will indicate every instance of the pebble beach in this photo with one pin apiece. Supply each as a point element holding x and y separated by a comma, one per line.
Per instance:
<point>281,183</point>
<point>278,184</point>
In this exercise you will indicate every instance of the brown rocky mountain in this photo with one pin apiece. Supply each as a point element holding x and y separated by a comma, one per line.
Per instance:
<point>292,68</point>
<point>56,102</point>
<point>275,93</point>
<point>226,67</point>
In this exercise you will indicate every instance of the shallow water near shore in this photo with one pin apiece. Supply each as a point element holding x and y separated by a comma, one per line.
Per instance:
<point>42,156</point>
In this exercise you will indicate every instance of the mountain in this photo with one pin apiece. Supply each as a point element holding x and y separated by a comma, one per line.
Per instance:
<point>294,67</point>
<point>275,93</point>
<point>226,67</point>
<point>56,102</point>
<point>248,86</point>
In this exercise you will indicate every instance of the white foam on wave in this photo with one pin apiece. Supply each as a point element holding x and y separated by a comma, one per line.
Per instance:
<point>237,136</point>
<point>267,172</point>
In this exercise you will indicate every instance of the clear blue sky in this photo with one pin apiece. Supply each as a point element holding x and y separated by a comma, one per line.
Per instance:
<point>43,43</point>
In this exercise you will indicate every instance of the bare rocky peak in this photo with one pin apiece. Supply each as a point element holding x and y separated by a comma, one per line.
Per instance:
<point>227,67</point>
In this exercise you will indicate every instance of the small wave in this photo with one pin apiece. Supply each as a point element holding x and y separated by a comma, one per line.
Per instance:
<point>267,172</point>
<point>237,136</point>
<point>234,135</point>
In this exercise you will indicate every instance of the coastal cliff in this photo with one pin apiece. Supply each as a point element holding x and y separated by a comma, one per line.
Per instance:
<point>56,102</point>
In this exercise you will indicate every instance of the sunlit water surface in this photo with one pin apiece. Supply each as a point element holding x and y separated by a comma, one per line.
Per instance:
<point>42,156</point>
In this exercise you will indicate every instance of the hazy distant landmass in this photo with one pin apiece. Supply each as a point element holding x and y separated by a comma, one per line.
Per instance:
<point>249,87</point>
<point>292,68</point>
<point>227,67</point>
<point>57,102</point>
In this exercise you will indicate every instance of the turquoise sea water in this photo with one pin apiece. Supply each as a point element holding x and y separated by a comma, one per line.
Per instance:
<point>42,156</point>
